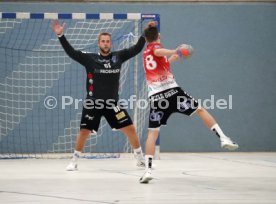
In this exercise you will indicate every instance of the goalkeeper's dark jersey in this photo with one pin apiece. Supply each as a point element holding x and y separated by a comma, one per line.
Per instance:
<point>103,73</point>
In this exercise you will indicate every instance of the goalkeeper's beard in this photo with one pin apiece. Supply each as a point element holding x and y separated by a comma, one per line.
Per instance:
<point>104,51</point>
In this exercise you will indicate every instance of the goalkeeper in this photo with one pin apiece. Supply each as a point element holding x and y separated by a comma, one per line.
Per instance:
<point>102,84</point>
<point>163,88</point>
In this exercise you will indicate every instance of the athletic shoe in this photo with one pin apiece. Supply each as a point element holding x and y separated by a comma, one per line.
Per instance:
<point>72,166</point>
<point>228,144</point>
<point>146,177</point>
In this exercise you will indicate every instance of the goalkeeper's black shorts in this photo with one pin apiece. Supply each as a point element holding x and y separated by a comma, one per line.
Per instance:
<point>164,103</point>
<point>117,117</point>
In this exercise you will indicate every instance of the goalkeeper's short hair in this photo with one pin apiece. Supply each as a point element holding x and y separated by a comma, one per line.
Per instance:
<point>151,33</point>
<point>104,33</point>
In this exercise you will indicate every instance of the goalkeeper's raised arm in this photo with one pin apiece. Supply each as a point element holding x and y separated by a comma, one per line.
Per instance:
<point>128,53</point>
<point>76,55</point>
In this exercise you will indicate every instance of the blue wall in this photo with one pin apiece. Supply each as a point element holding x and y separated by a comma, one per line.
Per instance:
<point>235,54</point>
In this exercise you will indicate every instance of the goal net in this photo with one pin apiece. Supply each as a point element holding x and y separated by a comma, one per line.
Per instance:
<point>41,88</point>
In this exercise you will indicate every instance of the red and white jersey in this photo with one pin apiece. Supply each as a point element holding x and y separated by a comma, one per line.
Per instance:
<point>157,69</point>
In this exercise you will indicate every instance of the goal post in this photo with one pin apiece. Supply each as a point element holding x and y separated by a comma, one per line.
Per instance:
<point>41,88</point>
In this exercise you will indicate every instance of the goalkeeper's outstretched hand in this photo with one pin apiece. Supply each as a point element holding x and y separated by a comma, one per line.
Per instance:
<point>57,27</point>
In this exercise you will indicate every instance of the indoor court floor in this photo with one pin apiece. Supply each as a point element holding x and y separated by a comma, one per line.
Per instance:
<point>206,178</point>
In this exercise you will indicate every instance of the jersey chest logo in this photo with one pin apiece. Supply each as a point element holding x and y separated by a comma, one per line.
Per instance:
<point>114,59</point>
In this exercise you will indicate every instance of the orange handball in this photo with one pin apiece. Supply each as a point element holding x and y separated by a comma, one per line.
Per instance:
<point>184,52</point>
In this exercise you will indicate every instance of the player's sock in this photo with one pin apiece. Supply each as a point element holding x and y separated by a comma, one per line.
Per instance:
<point>138,154</point>
<point>149,159</point>
<point>138,151</point>
<point>76,155</point>
<point>215,128</point>
<point>73,165</point>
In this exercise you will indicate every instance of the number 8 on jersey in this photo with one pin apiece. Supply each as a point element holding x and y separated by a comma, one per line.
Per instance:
<point>150,63</point>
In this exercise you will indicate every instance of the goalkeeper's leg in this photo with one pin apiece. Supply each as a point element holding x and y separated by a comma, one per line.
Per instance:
<point>130,132</point>
<point>80,142</point>
<point>90,121</point>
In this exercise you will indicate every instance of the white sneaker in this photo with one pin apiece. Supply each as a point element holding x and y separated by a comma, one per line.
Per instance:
<point>228,144</point>
<point>72,166</point>
<point>146,177</point>
<point>140,160</point>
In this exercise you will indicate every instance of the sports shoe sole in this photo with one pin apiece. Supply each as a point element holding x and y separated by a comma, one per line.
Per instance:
<point>72,169</point>
<point>141,165</point>
<point>145,180</point>
<point>230,147</point>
